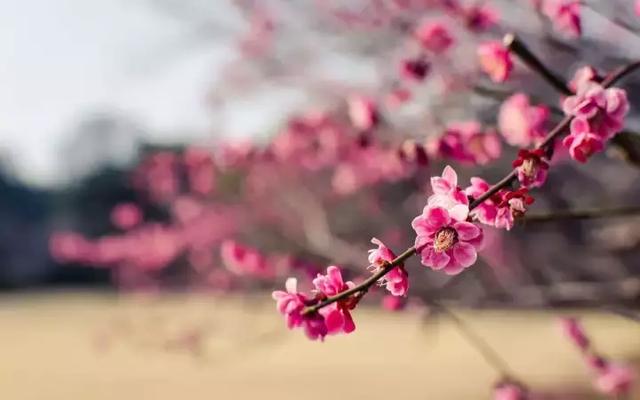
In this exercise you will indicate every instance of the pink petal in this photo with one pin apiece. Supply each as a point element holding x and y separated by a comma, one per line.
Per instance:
<point>466,230</point>
<point>291,285</point>
<point>459,212</point>
<point>334,321</point>
<point>437,217</point>
<point>449,174</point>
<point>465,254</point>
<point>433,259</point>
<point>440,185</point>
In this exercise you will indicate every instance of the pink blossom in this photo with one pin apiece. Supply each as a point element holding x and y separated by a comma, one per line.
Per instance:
<point>291,304</point>
<point>636,7</point>
<point>513,204</point>
<point>532,168</point>
<point>509,391</point>
<point>396,280</point>
<point>574,331</point>
<point>243,260</point>
<point>583,75</point>
<point>337,316</point>
<point>565,15</point>
<point>394,303</point>
<point>126,215</point>
<point>487,211</point>
<point>446,192</point>
<point>480,17</point>
<point>414,69</point>
<point>445,240</point>
<point>495,60</point>
<point>521,123</point>
<point>466,143</point>
<point>434,36</point>
<point>582,143</point>
<point>363,112</point>
<point>397,97</point>
<point>603,109</point>
<point>615,380</point>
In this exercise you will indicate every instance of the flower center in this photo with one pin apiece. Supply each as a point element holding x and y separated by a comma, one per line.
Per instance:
<point>445,239</point>
<point>528,167</point>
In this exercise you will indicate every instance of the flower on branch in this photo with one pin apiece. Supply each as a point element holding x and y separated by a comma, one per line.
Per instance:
<point>532,168</point>
<point>521,123</point>
<point>495,60</point>
<point>434,36</point>
<point>396,281</point>
<point>565,15</point>
<point>511,206</point>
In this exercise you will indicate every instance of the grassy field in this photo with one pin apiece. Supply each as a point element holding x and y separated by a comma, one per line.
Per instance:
<point>101,346</point>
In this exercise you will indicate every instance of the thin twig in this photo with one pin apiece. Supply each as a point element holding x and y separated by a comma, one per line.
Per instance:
<point>514,44</point>
<point>477,342</point>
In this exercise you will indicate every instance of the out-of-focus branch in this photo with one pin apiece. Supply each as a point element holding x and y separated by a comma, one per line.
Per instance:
<point>514,44</point>
<point>584,214</point>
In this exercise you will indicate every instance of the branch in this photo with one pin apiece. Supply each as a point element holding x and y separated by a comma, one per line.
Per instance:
<point>585,214</point>
<point>514,44</point>
<point>363,287</point>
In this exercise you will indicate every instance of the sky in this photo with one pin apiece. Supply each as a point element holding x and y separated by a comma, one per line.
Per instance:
<point>66,59</point>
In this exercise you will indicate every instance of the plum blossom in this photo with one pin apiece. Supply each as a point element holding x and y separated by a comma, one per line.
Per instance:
<point>243,260</point>
<point>636,7</point>
<point>446,192</point>
<point>509,391</point>
<point>434,36</point>
<point>480,17</point>
<point>444,240</point>
<point>393,303</point>
<point>599,115</point>
<point>565,15</point>
<point>512,205</point>
<point>465,142</point>
<point>487,211</point>
<point>583,75</point>
<point>363,112</point>
<point>291,304</point>
<point>396,281</point>
<point>582,143</point>
<point>615,379</point>
<point>520,122</point>
<point>337,316</point>
<point>532,168</point>
<point>414,69</point>
<point>495,60</point>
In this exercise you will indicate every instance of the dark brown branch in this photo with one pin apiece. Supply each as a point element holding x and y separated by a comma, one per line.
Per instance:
<point>516,46</point>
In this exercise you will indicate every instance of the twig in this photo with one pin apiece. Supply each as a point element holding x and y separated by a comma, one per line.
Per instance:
<point>514,44</point>
<point>486,351</point>
<point>589,213</point>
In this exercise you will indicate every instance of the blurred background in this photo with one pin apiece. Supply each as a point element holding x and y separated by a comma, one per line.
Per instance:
<point>139,139</point>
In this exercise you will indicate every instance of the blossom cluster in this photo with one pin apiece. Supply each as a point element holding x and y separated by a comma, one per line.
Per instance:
<point>612,379</point>
<point>598,115</point>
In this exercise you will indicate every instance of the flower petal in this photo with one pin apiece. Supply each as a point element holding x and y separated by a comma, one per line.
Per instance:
<point>465,254</point>
<point>466,230</point>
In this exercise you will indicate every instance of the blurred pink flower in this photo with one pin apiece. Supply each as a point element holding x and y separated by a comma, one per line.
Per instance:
<point>509,391</point>
<point>445,240</point>
<point>126,216</point>
<point>495,60</point>
<point>465,142</point>
<point>243,260</point>
<point>480,17</point>
<point>397,280</point>
<point>615,380</point>
<point>532,168</point>
<point>521,123</point>
<point>414,69</point>
<point>565,15</point>
<point>434,36</point>
<point>363,112</point>
<point>394,303</point>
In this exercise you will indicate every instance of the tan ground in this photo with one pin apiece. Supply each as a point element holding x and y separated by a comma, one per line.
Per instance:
<point>89,347</point>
